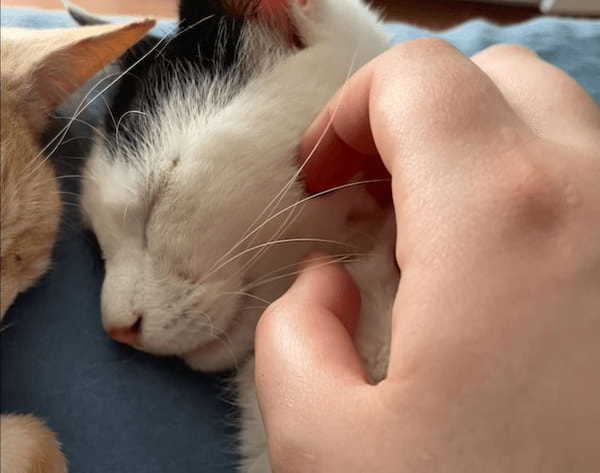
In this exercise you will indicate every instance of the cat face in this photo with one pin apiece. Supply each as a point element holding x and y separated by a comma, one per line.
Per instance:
<point>195,198</point>
<point>30,202</point>
<point>31,88</point>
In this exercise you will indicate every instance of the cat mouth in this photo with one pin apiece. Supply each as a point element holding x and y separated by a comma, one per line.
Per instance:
<point>224,338</point>
<point>227,348</point>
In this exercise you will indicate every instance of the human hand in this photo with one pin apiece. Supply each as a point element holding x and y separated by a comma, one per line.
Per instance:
<point>495,165</point>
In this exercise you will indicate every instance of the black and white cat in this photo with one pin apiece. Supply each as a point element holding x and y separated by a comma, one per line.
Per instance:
<point>194,191</point>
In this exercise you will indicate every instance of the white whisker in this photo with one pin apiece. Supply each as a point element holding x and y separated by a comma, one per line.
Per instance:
<point>307,199</point>
<point>112,117</point>
<point>84,104</point>
<point>281,194</point>
<point>132,112</point>
<point>294,273</point>
<point>185,30</point>
<point>310,260</point>
<point>246,294</point>
<point>272,243</point>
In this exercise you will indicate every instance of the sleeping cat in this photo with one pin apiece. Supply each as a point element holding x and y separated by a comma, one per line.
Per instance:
<point>196,199</point>
<point>39,69</point>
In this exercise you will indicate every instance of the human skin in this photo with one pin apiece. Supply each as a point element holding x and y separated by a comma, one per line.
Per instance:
<point>495,358</point>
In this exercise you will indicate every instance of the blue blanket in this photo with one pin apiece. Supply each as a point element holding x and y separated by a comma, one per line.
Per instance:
<point>117,410</point>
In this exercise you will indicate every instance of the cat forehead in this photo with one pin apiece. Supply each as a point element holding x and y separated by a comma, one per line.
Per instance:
<point>197,83</point>
<point>205,117</point>
<point>201,164</point>
<point>189,137</point>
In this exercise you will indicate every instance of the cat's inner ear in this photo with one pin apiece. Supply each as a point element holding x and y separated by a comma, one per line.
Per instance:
<point>64,59</point>
<point>264,6</point>
<point>275,13</point>
<point>340,166</point>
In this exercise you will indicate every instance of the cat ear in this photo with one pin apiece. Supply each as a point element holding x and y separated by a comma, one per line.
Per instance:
<point>277,14</point>
<point>261,6</point>
<point>60,61</point>
<point>81,16</point>
<point>193,11</point>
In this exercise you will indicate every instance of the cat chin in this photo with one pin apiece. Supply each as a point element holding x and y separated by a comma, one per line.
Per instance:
<point>225,353</point>
<point>216,357</point>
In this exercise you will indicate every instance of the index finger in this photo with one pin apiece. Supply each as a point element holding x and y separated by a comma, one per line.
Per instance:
<point>421,98</point>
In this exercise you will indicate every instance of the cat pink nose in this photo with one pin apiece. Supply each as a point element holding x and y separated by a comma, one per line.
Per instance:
<point>127,335</point>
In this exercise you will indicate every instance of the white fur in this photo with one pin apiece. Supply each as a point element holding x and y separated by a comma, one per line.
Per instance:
<point>171,219</point>
<point>377,277</point>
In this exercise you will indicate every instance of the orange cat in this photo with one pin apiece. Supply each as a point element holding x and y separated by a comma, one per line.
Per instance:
<point>40,68</point>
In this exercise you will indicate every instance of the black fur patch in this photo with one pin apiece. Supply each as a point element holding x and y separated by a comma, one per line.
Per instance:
<point>207,39</point>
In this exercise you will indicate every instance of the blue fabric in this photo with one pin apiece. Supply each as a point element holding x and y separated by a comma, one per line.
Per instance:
<point>118,410</point>
<point>571,44</point>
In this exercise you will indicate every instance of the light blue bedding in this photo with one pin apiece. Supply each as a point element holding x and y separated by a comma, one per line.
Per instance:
<point>571,44</point>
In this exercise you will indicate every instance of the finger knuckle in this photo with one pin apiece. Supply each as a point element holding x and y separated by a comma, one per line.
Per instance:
<point>505,50</point>
<point>269,317</point>
<point>569,91</point>
<point>279,314</point>
<point>427,46</point>
<point>288,453</point>
<point>532,196</point>
<point>445,87</point>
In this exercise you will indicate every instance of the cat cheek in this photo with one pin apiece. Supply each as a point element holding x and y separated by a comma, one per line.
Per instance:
<point>328,169</point>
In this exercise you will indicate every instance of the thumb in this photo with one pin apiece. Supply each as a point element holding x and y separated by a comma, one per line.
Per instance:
<point>305,357</point>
